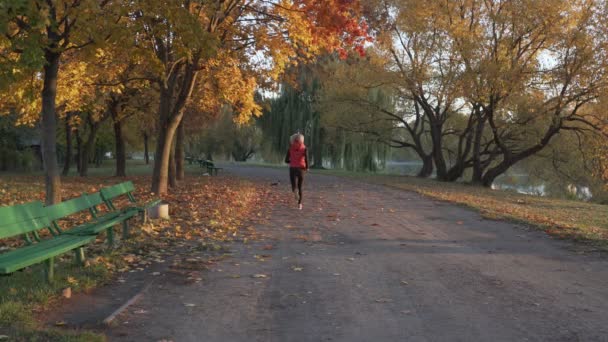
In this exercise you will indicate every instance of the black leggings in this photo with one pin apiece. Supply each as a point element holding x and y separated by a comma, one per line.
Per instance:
<point>296,175</point>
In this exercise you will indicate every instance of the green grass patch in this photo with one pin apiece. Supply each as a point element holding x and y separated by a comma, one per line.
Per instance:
<point>17,324</point>
<point>569,219</point>
<point>27,291</point>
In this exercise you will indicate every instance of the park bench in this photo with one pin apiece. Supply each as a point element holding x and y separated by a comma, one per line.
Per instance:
<point>96,225</point>
<point>211,169</point>
<point>27,220</point>
<point>111,193</point>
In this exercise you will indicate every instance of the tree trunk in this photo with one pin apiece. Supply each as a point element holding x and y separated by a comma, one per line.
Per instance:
<point>68,145</point>
<point>166,131</point>
<point>437,139</point>
<point>318,149</point>
<point>160,175</point>
<point>49,128</point>
<point>146,152</point>
<point>170,116</point>
<point>172,169</point>
<point>78,150</point>
<point>489,177</point>
<point>98,155</point>
<point>427,167</point>
<point>477,165</point>
<point>121,155</point>
<point>180,152</point>
<point>88,149</point>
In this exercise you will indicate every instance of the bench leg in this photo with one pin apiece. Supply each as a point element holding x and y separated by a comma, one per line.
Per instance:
<point>110,233</point>
<point>79,256</point>
<point>125,229</point>
<point>144,216</point>
<point>50,269</point>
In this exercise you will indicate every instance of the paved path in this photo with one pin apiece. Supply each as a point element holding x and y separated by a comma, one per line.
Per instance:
<point>369,263</point>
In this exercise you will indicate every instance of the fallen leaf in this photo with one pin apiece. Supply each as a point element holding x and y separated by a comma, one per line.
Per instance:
<point>259,276</point>
<point>383,300</point>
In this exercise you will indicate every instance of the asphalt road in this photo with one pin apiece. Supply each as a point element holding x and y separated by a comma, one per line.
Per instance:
<point>366,262</point>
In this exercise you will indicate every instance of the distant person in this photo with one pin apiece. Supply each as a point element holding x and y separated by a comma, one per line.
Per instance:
<point>298,164</point>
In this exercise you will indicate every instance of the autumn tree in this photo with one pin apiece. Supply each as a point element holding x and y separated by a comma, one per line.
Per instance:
<point>532,69</point>
<point>195,45</point>
<point>365,96</point>
<point>496,80</point>
<point>35,36</point>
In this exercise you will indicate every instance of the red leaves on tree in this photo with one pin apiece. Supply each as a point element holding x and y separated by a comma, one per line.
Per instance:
<point>337,23</point>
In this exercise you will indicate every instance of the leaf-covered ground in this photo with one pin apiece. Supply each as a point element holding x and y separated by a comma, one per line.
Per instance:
<point>205,211</point>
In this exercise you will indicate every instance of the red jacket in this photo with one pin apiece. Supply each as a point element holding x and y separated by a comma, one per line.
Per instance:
<point>297,156</point>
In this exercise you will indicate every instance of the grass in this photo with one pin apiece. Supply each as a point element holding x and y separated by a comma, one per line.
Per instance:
<point>26,292</point>
<point>24,327</point>
<point>568,219</point>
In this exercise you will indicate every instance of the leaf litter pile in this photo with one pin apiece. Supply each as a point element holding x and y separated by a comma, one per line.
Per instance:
<point>205,213</point>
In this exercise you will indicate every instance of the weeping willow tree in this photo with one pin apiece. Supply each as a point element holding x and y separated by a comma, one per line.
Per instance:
<point>357,135</point>
<point>296,109</point>
<point>292,111</point>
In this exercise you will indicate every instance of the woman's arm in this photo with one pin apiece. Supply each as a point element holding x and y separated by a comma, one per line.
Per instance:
<point>306,158</point>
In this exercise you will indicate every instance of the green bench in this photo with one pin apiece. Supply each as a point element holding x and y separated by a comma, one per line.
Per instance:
<point>125,189</point>
<point>96,225</point>
<point>27,220</point>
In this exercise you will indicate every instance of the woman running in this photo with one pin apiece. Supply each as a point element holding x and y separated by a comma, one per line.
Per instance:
<point>298,164</point>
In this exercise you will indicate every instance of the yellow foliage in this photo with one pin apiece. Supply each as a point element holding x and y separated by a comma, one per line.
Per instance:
<point>225,83</point>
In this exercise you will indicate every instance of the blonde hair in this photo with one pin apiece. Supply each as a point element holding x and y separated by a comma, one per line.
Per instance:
<point>295,137</point>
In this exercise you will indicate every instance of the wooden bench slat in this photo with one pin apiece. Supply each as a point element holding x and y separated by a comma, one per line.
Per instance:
<point>30,255</point>
<point>95,199</point>
<point>117,190</point>
<point>20,212</point>
<point>24,227</point>
<point>125,189</point>
<point>101,224</point>
<point>67,208</point>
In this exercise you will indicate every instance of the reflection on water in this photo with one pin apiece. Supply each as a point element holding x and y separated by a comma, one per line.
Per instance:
<point>537,190</point>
